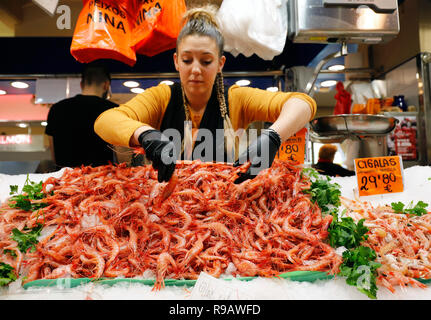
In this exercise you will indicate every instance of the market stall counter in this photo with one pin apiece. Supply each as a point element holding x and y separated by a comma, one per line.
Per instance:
<point>106,233</point>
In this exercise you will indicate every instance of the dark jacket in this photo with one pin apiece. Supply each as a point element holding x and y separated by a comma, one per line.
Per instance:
<point>332,169</point>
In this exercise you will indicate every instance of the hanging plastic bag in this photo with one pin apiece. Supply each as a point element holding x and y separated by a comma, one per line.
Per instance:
<point>157,25</point>
<point>254,27</point>
<point>104,31</point>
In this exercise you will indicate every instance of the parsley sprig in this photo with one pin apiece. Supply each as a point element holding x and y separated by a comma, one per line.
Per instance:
<point>323,192</point>
<point>359,266</point>
<point>27,240</point>
<point>346,233</point>
<point>7,274</point>
<point>30,191</point>
<point>417,210</point>
<point>360,270</point>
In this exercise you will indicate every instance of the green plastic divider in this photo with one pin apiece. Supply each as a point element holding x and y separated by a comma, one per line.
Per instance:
<point>301,276</point>
<point>307,276</point>
<point>425,281</point>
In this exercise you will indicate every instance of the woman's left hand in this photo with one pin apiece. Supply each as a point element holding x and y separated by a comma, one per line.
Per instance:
<point>261,153</point>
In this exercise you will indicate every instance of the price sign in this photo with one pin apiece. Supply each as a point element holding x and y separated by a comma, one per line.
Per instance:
<point>293,148</point>
<point>208,287</point>
<point>379,175</point>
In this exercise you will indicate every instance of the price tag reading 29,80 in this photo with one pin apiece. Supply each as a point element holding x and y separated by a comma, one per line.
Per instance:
<point>379,175</point>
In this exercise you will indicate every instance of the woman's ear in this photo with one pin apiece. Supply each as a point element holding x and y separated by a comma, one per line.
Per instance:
<point>176,61</point>
<point>222,61</point>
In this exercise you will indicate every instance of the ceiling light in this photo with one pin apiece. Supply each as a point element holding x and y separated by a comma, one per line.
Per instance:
<point>22,125</point>
<point>19,85</point>
<point>328,83</point>
<point>272,89</point>
<point>168,82</point>
<point>44,123</point>
<point>130,84</point>
<point>336,67</point>
<point>137,90</point>
<point>2,92</point>
<point>243,82</point>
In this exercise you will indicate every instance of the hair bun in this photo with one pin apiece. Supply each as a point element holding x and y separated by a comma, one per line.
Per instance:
<point>202,13</point>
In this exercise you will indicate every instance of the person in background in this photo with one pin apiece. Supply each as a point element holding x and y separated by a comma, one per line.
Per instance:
<point>326,166</point>
<point>200,101</point>
<point>70,127</point>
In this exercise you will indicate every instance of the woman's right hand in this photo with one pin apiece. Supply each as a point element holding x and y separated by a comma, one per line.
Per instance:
<point>160,151</point>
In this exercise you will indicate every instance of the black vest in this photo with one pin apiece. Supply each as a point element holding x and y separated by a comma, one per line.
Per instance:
<point>212,120</point>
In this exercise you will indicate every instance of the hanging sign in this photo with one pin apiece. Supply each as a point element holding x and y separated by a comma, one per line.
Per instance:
<point>379,175</point>
<point>15,139</point>
<point>293,149</point>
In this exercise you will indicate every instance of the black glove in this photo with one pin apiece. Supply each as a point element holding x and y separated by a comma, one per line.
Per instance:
<point>260,153</point>
<point>160,151</point>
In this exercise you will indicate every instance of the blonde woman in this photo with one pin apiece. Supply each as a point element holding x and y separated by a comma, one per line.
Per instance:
<point>199,104</point>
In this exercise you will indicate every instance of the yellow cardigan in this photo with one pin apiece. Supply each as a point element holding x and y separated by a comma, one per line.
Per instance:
<point>246,105</point>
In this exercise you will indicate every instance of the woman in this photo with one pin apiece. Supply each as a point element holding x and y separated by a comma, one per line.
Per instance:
<point>197,108</point>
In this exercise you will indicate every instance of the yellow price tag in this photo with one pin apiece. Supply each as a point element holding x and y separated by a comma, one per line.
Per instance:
<point>293,148</point>
<point>379,175</point>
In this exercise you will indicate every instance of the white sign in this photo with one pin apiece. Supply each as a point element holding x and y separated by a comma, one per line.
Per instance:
<point>210,288</point>
<point>15,139</point>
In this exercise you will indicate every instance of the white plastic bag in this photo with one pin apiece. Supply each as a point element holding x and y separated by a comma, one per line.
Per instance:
<point>361,92</point>
<point>254,27</point>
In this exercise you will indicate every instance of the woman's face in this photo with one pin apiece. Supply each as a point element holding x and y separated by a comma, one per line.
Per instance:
<point>198,62</point>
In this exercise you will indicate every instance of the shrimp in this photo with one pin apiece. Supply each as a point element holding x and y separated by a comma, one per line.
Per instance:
<point>167,190</point>
<point>245,267</point>
<point>163,262</point>
<point>197,247</point>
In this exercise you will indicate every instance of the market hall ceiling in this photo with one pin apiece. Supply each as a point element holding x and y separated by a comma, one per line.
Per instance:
<point>38,47</point>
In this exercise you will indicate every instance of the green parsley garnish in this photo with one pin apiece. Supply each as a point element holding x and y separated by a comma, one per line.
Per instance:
<point>322,191</point>
<point>27,240</point>
<point>6,274</point>
<point>9,251</point>
<point>30,191</point>
<point>358,265</point>
<point>346,233</point>
<point>417,210</point>
<point>360,270</point>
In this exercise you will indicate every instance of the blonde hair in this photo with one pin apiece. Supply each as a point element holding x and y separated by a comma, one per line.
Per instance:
<point>201,21</point>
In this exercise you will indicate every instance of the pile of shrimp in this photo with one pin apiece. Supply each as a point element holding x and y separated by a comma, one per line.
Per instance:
<point>118,221</point>
<point>401,242</point>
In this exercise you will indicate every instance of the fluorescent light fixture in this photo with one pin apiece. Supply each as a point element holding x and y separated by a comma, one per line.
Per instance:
<point>168,82</point>
<point>272,89</point>
<point>243,82</point>
<point>137,90</point>
<point>44,123</point>
<point>328,83</point>
<point>19,84</point>
<point>2,92</point>
<point>336,67</point>
<point>131,84</point>
<point>22,125</point>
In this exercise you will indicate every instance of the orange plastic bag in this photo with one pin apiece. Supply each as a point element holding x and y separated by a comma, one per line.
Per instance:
<point>104,31</point>
<point>157,25</point>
